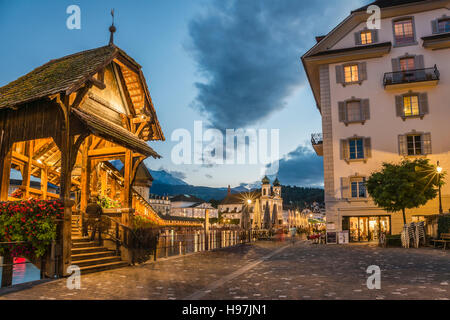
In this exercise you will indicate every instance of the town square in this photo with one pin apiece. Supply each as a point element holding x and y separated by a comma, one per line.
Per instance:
<point>232,150</point>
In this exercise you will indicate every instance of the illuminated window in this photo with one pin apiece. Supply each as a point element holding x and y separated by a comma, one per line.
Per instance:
<point>403,31</point>
<point>366,37</point>
<point>414,144</point>
<point>356,148</point>
<point>351,73</point>
<point>411,106</point>
<point>444,25</point>
<point>407,64</point>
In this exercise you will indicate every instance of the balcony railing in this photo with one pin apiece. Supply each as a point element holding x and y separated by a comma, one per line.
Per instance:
<point>411,76</point>
<point>316,139</point>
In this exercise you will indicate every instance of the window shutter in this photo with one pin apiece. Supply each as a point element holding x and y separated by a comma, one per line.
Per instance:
<point>367,148</point>
<point>342,112</point>
<point>357,38</point>
<point>426,143</point>
<point>362,69</point>
<point>435,26</point>
<point>419,62</point>
<point>365,109</point>
<point>345,188</point>
<point>395,65</point>
<point>344,149</point>
<point>339,74</point>
<point>423,103</point>
<point>402,148</point>
<point>375,36</point>
<point>399,106</point>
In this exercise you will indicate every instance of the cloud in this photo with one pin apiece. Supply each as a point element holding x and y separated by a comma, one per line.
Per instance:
<point>301,167</point>
<point>208,176</point>
<point>249,54</point>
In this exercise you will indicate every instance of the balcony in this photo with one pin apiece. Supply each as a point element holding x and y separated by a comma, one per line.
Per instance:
<point>317,143</point>
<point>411,78</point>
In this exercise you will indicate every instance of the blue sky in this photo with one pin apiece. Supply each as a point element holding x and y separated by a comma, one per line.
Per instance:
<point>230,64</point>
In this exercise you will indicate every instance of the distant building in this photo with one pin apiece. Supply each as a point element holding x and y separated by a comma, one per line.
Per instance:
<point>231,207</point>
<point>191,207</point>
<point>160,204</point>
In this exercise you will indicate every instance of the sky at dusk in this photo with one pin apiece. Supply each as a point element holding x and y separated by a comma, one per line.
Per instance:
<point>231,64</point>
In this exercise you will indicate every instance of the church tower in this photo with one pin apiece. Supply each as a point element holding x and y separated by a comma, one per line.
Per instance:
<point>277,188</point>
<point>265,193</point>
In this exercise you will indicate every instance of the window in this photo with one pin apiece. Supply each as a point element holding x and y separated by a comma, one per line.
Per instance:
<point>351,73</point>
<point>407,64</point>
<point>354,111</point>
<point>366,37</point>
<point>356,148</point>
<point>414,144</point>
<point>358,188</point>
<point>444,25</point>
<point>411,106</point>
<point>404,32</point>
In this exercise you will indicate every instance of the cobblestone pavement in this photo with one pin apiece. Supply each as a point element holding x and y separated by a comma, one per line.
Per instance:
<point>267,270</point>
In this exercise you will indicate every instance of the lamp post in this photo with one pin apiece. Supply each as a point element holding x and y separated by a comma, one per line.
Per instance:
<point>439,171</point>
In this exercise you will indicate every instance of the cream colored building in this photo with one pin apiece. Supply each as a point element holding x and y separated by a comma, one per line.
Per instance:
<point>383,95</point>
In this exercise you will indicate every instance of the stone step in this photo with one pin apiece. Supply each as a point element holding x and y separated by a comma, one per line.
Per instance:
<point>87,250</point>
<point>80,239</point>
<point>95,261</point>
<point>103,267</point>
<point>93,255</point>
<point>84,244</point>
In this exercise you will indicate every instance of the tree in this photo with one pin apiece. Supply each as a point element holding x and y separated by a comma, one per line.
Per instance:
<point>406,185</point>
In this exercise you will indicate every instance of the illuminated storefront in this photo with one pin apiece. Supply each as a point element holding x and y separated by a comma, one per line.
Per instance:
<point>366,228</point>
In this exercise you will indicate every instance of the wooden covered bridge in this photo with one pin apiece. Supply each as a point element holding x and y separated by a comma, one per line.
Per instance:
<point>65,121</point>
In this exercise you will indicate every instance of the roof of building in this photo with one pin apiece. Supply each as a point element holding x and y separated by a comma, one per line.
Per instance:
<point>388,3</point>
<point>276,183</point>
<point>67,75</point>
<point>265,180</point>
<point>186,198</point>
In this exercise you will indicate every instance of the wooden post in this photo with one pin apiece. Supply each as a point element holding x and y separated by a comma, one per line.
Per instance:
<point>5,173</point>
<point>26,177</point>
<point>85,174</point>
<point>44,182</point>
<point>7,271</point>
<point>126,196</point>
<point>65,144</point>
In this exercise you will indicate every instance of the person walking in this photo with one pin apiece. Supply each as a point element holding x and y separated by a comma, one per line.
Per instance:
<point>293,234</point>
<point>94,212</point>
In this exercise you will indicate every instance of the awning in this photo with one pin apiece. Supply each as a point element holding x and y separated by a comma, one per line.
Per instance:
<point>114,133</point>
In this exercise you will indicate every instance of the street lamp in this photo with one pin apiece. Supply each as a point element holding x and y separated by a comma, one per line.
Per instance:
<point>439,171</point>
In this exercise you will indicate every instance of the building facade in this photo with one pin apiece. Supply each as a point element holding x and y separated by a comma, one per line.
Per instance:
<point>191,207</point>
<point>160,204</point>
<point>383,95</point>
<point>231,207</point>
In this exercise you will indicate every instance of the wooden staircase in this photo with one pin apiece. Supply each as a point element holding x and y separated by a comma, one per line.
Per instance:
<point>89,256</point>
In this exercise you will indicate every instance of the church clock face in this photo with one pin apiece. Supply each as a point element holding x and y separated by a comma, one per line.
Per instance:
<point>277,192</point>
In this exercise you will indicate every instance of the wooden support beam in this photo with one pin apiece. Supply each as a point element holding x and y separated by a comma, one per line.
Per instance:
<point>85,174</point>
<point>5,173</point>
<point>44,182</point>
<point>107,152</point>
<point>26,174</point>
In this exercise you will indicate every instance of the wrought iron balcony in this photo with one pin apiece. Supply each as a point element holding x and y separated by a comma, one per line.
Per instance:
<point>411,78</point>
<point>317,143</point>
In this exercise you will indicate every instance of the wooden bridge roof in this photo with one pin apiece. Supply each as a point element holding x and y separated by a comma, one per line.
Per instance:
<point>70,73</point>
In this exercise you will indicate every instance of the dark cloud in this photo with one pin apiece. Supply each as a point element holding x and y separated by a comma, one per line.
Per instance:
<point>249,53</point>
<point>301,167</point>
<point>208,176</point>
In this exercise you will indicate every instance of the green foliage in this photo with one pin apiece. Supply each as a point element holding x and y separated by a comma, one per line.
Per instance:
<point>31,222</point>
<point>298,196</point>
<point>393,240</point>
<point>107,203</point>
<point>407,185</point>
<point>443,224</point>
<point>141,222</point>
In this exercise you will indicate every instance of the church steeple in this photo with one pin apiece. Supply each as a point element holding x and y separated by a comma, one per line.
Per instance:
<point>112,29</point>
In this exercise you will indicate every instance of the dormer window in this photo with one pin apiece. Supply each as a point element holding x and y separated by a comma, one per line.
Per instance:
<point>404,32</point>
<point>366,37</point>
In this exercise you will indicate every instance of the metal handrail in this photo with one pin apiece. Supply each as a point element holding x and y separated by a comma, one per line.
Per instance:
<point>410,76</point>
